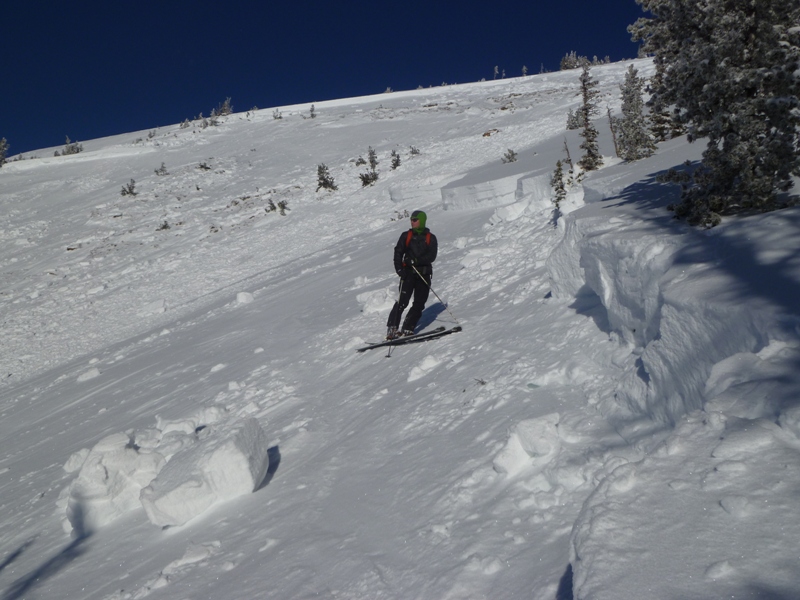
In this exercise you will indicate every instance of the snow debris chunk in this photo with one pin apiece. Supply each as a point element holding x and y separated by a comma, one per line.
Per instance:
<point>428,364</point>
<point>109,482</point>
<point>229,462</point>
<point>531,443</point>
<point>92,373</point>
<point>76,460</point>
<point>195,553</point>
<point>175,470</point>
<point>153,308</point>
<point>377,300</point>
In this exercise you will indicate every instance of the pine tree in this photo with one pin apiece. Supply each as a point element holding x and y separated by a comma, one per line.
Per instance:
<point>573,61</point>
<point>3,151</point>
<point>557,183</point>
<point>635,141</point>
<point>509,157</point>
<point>370,176</point>
<point>591,159</point>
<point>372,159</point>
<point>325,179</point>
<point>574,119</point>
<point>731,69</point>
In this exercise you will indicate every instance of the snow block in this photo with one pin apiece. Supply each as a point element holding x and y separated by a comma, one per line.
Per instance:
<point>109,482</point>
<point>412,197</point>
<point>231,461</point>
<point>483,194</point>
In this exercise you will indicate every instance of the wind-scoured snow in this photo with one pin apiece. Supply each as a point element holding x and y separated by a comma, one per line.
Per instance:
<point>183,413</point>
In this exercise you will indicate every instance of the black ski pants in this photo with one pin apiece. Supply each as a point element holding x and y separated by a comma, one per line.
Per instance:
<point>414,286</point>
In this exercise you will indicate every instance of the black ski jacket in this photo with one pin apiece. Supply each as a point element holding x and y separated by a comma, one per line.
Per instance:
<point>421,247</point>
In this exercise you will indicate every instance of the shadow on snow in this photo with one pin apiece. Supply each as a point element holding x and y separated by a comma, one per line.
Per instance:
<point>57,563</point>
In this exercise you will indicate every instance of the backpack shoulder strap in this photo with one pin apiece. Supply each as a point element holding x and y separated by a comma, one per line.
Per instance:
<point>410,233</point>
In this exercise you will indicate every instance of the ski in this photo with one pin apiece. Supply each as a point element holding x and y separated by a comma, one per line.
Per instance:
<point>410,339</point>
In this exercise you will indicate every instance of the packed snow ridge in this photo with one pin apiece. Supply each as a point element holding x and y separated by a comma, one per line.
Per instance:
<point>183,413</point>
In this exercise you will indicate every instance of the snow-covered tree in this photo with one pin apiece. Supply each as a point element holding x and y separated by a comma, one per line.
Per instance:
<point>635,140</point>
<point>591,159</point>
<point>573,61</point>
<point>663,124</point>
<point>71,148</point>
<point>224,108</point>
<point>574,120</point>
<point>731,69</point>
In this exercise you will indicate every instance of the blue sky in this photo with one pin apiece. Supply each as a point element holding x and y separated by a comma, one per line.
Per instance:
<point>88,69</point>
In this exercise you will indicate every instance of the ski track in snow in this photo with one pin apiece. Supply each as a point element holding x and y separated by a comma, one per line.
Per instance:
<point>551,431</point>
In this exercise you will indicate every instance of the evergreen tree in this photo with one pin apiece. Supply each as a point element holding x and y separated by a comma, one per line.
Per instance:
<point>635,141</point>
<point>509,157</point>
<point>325,179</point>
<point>372,159</point>
<point>558,185</point>
<point>573,61</point>
<point>591,159</point>
<point>3,151</point>
<point>662,125</point>
<point>731,69</point>
<point>574,119</point>
<point>370,176</point>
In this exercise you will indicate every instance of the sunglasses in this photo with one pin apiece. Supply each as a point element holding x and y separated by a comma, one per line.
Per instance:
<point>413,219</point>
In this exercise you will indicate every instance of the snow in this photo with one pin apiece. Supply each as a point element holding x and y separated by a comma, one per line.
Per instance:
<point>183,413</point>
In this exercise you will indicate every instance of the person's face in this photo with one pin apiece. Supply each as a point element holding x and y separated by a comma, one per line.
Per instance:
<point>414,222</point>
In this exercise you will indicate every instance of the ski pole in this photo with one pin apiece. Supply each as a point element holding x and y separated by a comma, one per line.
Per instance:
<point>435,294</point>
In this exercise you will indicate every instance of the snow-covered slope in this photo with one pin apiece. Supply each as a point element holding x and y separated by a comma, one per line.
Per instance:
<point>619,414</point>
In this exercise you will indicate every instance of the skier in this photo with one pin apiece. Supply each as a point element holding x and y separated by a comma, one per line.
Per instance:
<point>415,251</point>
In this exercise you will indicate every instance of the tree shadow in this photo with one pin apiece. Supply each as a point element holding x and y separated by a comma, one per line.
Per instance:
<point>57,563</point>
<point>16,554</point>
<point>274,455</point>
<point>430,314</point>
<point>761,591</point>
<point>564,591</point>
<point>765,592</point>
<point>589,304</point>
<point>756,275</point>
